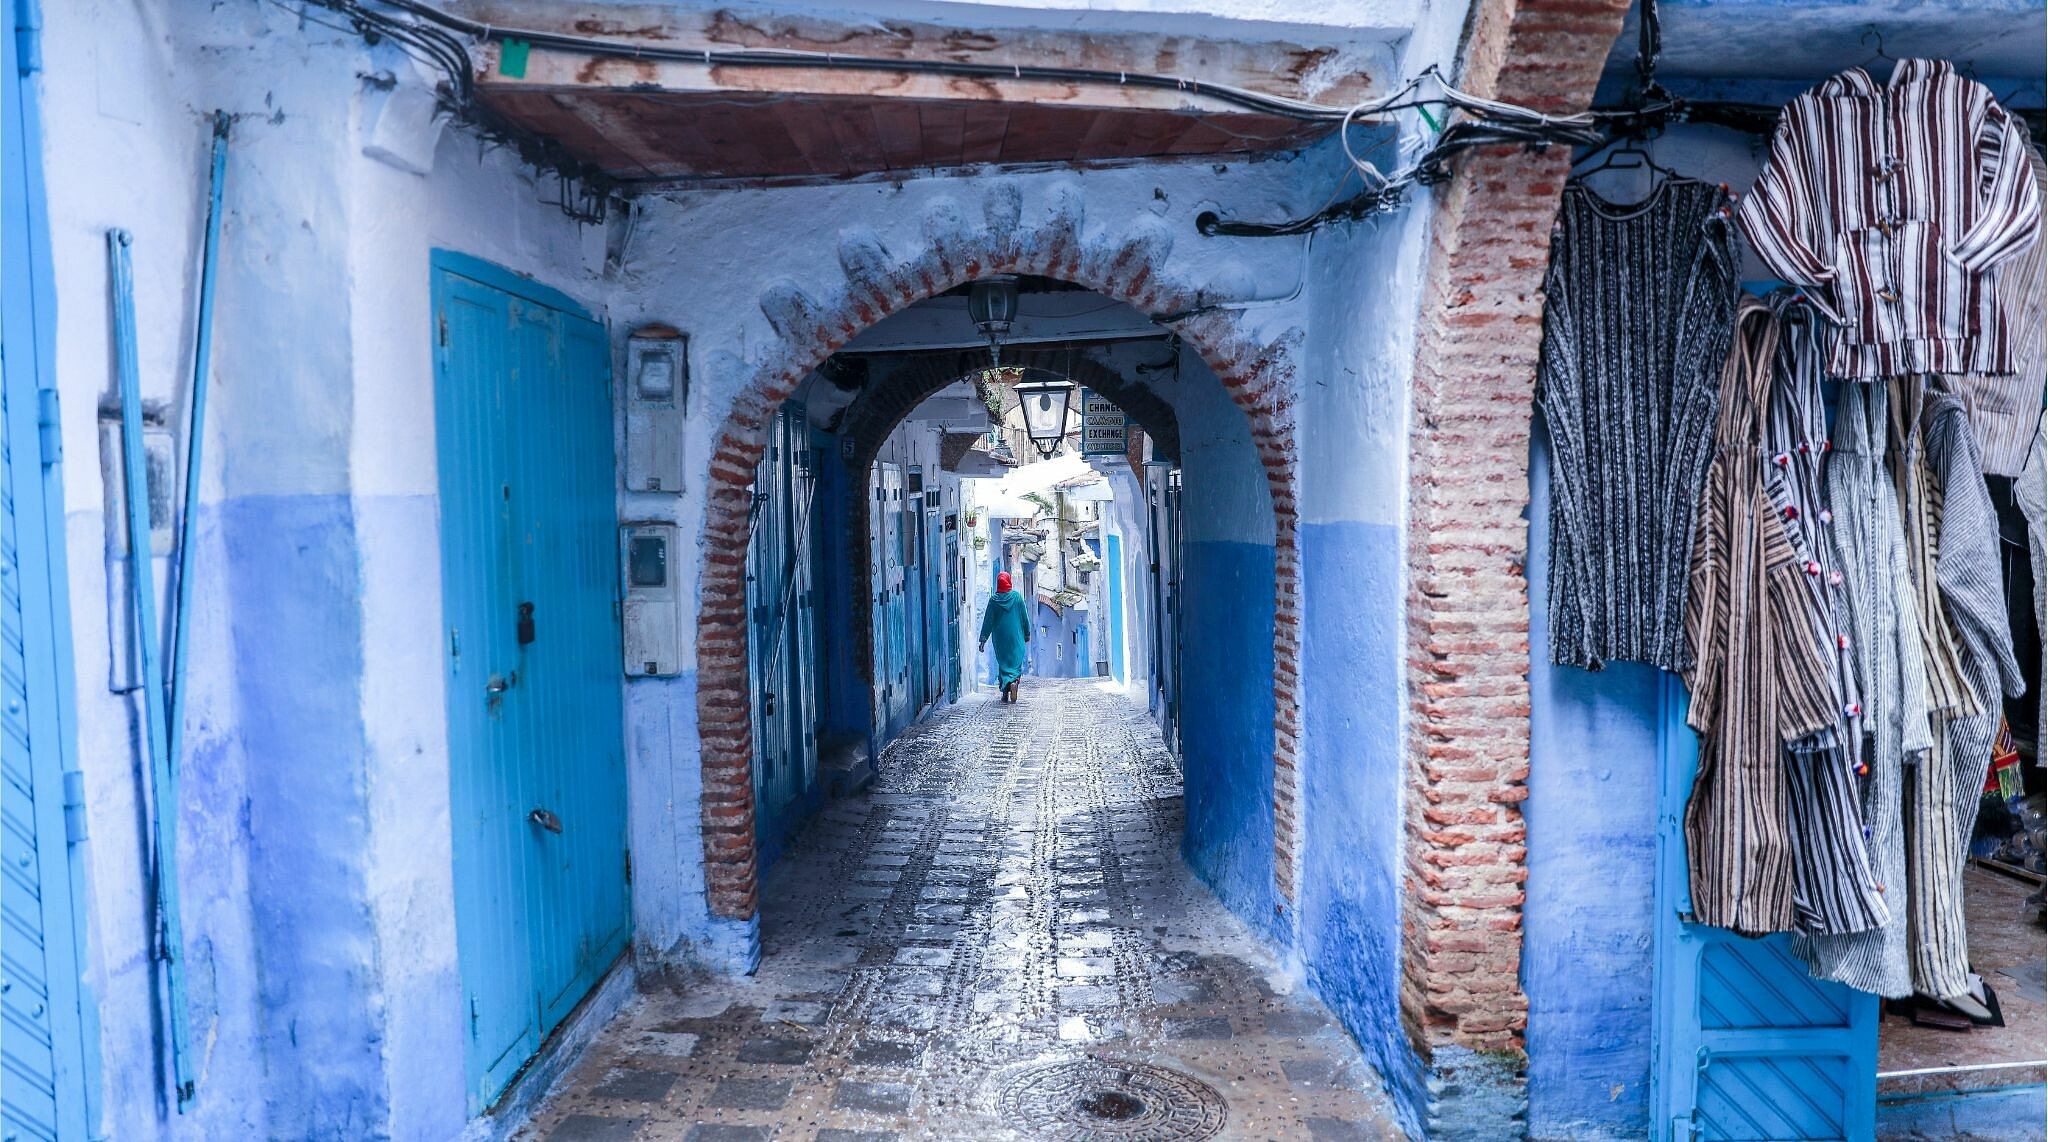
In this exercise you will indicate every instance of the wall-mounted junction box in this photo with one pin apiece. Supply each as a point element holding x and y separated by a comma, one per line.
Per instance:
<point>657,408</point>
<point>652,608</point>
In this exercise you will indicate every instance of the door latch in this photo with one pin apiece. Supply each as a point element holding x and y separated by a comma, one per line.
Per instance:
<point>525,623</point>
<point>500,683</point>
<point>545,820</point>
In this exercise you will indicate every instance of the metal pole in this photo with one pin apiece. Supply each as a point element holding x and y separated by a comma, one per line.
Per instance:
<point>142,582</point>
<point>188,518</point>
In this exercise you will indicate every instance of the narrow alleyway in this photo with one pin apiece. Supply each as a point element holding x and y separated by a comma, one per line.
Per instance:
<point>998,941</point>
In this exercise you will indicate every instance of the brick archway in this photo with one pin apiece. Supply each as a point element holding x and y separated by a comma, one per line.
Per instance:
<point>1130,268</point>
<point>876,413</point>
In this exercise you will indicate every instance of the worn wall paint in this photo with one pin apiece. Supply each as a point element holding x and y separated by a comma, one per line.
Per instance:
<point>317,749</point>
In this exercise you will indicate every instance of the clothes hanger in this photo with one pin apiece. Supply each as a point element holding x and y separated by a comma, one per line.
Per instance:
<point>1873,33</point>
<point>1629,155</point>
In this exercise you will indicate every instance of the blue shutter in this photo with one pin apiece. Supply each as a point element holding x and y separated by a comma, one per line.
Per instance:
<point>47,1082</point>
<point>1747,1045</point>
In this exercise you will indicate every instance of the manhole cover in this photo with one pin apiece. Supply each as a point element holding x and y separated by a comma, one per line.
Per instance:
<point>1106,1098</point>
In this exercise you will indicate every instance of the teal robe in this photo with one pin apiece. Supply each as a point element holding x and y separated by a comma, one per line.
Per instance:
<point>1007,623</point>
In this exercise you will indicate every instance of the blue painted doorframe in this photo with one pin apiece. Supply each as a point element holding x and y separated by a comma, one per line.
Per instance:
<point>1745,1045</point>
<point>529,577</point>
<point>48,1087</point>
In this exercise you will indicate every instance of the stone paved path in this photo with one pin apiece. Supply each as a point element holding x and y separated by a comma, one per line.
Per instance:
<point>999,941</point>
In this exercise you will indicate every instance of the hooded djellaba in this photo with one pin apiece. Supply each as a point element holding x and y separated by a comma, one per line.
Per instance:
<point>1007,623</point>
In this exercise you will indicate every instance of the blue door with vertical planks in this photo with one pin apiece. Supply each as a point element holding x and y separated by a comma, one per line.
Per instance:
<point>47,1083</point>
<point>529,577</point>
<point>1747,1045</point>
<point>782,617</point>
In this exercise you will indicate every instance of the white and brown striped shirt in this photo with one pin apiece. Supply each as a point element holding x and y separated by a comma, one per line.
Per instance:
<point>1892,205</point>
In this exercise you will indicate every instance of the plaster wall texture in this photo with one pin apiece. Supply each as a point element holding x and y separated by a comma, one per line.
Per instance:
<point>314,832</point>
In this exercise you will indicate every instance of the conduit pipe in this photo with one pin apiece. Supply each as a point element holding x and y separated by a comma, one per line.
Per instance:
<point>163,818</point>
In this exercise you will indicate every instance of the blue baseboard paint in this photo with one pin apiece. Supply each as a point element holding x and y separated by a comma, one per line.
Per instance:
<point>1227,727</point>
<point>1351,765</point>
<point>1588,960</point>
<point>2014,1113</point>
<point>293,570</point>
<point>1587,948</point>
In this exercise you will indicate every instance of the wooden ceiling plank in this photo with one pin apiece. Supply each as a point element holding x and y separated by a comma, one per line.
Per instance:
<point>981,140</point>
<point>811,131</point>
<point>854,128</point>
<point>944,129</point>
<point>902,138</point>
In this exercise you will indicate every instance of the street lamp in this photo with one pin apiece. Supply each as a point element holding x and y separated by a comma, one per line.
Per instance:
<point>1045,413</point>
<point>992,303</point>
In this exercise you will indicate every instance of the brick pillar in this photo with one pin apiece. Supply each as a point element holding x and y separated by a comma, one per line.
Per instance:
<point>1478,336</point>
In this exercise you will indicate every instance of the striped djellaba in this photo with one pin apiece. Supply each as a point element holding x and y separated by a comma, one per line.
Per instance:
<point>1942,797</point>
<point>1637,316</point>
<point>1834,887</point>
<point>1891,204</point>
<point>1759,680</point>
<point>2005,408</point>
<point>1884,637</point>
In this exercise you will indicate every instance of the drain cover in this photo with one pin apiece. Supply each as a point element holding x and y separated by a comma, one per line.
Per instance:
<point>1106,1098</point>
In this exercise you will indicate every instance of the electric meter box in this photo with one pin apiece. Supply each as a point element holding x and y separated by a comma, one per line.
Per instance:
<point>657,408</point>
<point>652,609</point>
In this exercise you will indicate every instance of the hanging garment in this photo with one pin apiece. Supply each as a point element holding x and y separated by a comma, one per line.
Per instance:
<point>1759,679</point>
<point>1890,205</point>
<point>1640,302</point>
<point>2031,493</point>
<point>2005,409</point>
<point>1942,795</point>
<point>1948,691</point>
<point>1890,670</point>
<point>1834,888</point>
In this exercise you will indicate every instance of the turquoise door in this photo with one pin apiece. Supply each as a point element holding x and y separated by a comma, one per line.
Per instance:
<point>1115,561</point>
<point>782,612</point>
<point>46,1084</point>
<point>1746,1045</point>
<point>529,575</point>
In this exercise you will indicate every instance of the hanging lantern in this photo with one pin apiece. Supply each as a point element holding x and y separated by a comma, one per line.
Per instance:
<point>992,303</point>
<point>1045,413</point>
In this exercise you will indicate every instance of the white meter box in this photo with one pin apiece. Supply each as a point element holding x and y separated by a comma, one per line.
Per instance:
<point>651,612</point>
<point>657,408</point>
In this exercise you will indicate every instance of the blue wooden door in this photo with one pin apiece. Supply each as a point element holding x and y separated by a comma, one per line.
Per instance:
<point>1746,1044</point>
<point>46,1085</point>
<point>782,620</point>
<point>536,758</point>
<point>1115,561</point>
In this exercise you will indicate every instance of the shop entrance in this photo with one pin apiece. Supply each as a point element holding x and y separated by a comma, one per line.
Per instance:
<point>529,575</point>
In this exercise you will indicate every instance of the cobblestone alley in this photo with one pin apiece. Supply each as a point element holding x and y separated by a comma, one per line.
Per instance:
<point>998,941</point>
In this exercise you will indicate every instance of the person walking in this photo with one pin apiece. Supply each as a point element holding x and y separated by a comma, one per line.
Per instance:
<point>1009,624</point>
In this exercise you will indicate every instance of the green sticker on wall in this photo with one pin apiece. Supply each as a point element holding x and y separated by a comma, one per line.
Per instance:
<point>512,58</point>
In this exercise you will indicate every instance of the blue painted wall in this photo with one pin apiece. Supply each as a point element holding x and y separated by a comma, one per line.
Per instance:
<point>292,565</point>
<point>1227,731</point>
<point>1592,817</point>
<point>1352,777</point>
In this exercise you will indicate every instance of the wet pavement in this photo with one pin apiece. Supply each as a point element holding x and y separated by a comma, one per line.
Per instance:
<point>997,941</point>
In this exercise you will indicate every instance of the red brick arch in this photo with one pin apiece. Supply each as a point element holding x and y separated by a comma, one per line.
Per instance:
<point>1258,376</point>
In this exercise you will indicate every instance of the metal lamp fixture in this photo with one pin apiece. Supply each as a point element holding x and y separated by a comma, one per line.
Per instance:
<point>992,303</point>
<point>1045,413</point>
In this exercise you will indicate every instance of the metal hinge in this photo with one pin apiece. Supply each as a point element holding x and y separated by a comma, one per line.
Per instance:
<point>444,330</point>
<point>74,807</point>
<point>474,1018</point>
<point>629,867</point>
<point>49,436</point>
